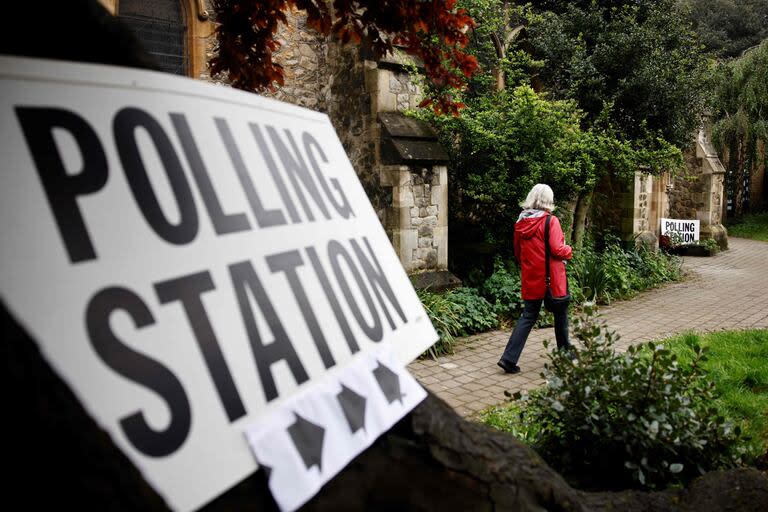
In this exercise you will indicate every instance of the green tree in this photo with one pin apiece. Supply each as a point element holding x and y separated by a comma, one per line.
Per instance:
<point>510,137</point>
<point>728,27</point>
<point>635,63</point>
<point>634,67</point>
<point>741,118</point>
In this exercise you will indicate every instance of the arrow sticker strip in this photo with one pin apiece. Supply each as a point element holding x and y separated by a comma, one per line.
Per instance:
<point>315,434</point>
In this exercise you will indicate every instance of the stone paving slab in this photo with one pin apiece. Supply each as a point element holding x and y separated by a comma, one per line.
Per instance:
<point>724,292</point>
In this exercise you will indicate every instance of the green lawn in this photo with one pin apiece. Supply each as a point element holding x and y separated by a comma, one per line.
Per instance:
<point>751,226</point>
<point>738,364</point>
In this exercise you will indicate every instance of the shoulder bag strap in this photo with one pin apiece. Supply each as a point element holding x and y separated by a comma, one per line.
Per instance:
<point>546,247</point>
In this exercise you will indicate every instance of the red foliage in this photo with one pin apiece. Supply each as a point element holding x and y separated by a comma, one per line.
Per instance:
<point>431,30</point>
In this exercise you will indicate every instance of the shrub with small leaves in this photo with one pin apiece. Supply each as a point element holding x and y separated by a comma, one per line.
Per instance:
<point>615,420</point>
<point>616,273</point>
<point>476,314</point>
<point>502,289</point>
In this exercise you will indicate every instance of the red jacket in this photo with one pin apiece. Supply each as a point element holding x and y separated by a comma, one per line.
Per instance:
<point>529,251</point>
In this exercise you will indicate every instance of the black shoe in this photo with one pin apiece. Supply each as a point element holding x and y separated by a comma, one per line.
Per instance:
<point>569,351</point>
<point>508,368</point>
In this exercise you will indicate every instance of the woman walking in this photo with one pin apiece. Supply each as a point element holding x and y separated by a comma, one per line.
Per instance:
<point>531,253</point>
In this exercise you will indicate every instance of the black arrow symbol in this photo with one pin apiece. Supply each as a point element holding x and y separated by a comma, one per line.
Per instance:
<point>389,383</point>
<point>353,406</point>
<point>308,439</point>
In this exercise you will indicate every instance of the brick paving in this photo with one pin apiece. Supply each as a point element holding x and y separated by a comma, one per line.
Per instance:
<point>726,291</point>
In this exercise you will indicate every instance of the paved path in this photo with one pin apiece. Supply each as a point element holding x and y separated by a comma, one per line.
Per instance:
<point>726,291</point>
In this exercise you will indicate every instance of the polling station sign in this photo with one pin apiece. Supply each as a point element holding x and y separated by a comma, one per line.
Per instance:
<point>189,257</point>
<point>681,231</point>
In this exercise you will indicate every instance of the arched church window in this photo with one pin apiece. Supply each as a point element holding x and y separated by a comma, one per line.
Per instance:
<point>159,25</point>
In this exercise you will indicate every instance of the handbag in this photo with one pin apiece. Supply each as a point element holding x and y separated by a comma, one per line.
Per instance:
<point>551,303</point>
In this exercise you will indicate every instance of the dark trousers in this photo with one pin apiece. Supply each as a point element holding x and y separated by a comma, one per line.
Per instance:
<point>525,324</point>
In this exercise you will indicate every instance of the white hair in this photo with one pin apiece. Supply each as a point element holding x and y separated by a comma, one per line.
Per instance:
<point>540,197</point>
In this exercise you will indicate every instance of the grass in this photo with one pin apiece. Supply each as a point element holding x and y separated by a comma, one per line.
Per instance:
<point>506,417</point>
<point>753,226</point>
<point>738,364</point>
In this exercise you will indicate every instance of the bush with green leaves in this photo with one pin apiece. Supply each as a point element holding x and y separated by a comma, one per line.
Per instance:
<point>616,273</point>
<point>620,269</point>
<point>656,267</point>
<point>502,289</point>
<point>459,312</point>
<point>589,275</point>
<point>476,314</point>
<point>445,317</point>
<point>638,418</point>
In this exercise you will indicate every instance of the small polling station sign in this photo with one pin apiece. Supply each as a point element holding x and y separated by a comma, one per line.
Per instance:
<point>681,231</point>
<point>203,267</point>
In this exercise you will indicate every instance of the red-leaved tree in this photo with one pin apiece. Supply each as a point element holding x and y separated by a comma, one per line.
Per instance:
<point>431,30</point>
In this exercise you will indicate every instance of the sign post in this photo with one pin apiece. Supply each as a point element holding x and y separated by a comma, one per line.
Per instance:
<point>197,263</point>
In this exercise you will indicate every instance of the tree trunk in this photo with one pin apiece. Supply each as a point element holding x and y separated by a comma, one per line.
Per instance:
<point>580,213</point>
<point>498,72</point>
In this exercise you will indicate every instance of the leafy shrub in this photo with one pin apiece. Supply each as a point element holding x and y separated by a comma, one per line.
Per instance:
<point>621,269</point>
<point>638,418</point>
<point>507,418</point>
<point>710,243</point>
<point>476,314</point>
<point>617,273</point>
<point>656,267</point>
<point>590,276</point>
<point>459,312</point>
<point>445,317</point>
<point>502,289</point>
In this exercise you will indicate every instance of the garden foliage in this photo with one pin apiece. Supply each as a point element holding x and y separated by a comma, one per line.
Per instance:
<point>615,273</point>
<point>459,312</point>
<point>740,107</point>
<point>637,418</point>
<point>502,289</point>
<point>496,300</point>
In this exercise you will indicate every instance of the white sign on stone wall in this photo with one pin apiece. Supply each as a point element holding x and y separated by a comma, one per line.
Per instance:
<point>188,258</point>
<point>681,231</point>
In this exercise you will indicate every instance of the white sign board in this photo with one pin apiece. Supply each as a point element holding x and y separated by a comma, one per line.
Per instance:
<point>681,231</point>
<point>188,257</point>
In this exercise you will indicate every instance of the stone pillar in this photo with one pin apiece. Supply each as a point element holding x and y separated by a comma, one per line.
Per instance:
<point>413,164</point>
<point>641,205</point>
<point>418,222</point>
<point>699,193</point>
<point>713,176</point>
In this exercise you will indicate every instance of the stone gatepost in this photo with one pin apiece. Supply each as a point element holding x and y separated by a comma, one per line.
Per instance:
<point>643,204</point>
<point>413,164</point>
<point>398,159</point>
<point>696,194</point>
<point>699,193</point>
